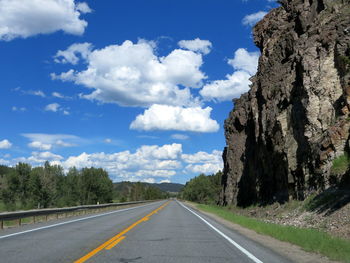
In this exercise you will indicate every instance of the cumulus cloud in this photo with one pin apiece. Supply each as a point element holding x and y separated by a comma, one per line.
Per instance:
<point>83,8</point>
<point>196,45</point>
<point>207,168</point>
<point>168,151</point>
<point>245,61</point>
<point>73,53</point>
<point>203,157</point>
<point>245,65</point>
<point>5,144</point>
<point>28,18</point>
<point>158,163</point>
<point>133,75</point>
<point>147,161</point>
<point>252,19</point>
<point>164,117</point>
<point>203,162</point>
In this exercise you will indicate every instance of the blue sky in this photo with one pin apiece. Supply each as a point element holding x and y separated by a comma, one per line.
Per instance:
<point>140,88</point>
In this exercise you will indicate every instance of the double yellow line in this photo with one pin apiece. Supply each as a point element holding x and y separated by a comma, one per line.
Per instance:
<point>117,238</point>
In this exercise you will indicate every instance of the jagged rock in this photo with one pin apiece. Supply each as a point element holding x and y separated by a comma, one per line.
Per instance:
<point>284,133</point>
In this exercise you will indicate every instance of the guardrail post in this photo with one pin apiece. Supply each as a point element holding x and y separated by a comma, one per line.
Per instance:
<point>2,224</point>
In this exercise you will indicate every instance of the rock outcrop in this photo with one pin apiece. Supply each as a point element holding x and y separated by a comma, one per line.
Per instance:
<point>283,135</point>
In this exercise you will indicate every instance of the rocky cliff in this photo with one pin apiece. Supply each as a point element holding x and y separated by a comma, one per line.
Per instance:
<point>283,135</point>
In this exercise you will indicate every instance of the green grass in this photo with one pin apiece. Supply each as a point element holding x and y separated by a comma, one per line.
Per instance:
<point>340,164</point>
<point>309,239</point>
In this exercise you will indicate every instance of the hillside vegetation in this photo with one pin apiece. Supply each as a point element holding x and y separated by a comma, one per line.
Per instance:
<point>27,187</point>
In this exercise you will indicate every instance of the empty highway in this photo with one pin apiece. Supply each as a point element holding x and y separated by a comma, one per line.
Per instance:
<point>165,231</point>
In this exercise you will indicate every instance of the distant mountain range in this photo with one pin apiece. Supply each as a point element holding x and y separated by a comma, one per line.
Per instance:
<point>165,187</point>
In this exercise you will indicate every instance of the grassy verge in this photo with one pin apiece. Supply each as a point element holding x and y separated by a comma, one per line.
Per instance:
<point>309,239</point>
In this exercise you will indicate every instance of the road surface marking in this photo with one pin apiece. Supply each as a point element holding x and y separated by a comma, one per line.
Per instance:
<point>115,243</point>
<point>72,221</point>
<point>248,254</point>
<point>116,237</point>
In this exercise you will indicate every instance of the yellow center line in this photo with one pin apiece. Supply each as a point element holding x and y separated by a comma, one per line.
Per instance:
<point>115,242</point>
<point>117,237</point>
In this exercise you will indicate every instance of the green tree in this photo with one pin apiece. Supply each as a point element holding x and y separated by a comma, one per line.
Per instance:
<point>203,188</point>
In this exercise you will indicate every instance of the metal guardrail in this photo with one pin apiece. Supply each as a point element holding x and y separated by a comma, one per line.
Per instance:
<point>18,215</point>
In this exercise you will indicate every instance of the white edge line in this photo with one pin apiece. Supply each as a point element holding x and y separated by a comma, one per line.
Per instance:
<point>250,255</point>
<point>69,222</point>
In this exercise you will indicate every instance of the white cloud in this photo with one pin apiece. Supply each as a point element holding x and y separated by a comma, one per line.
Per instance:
<point>149,180</point>
<point>203,157</point>
<point>133,75</point>
<point>147,161</point>
<point>40,145</point>
<point>108,140</point>
<point>21,109</point>
<point>64,144</point>
<point>37,93</point>
<point>57,95</point>
<point>55,107</point>
<point>5,144</point>
<point>252,19</point>
<point>165,181</point>
<point>196,45</point>
<point>28,18</point>
<point>177,136</point>
<point>70,55</point>
<point>207,168</point>
<point>44,141</point>
<point>52,107</point>
<point>245,65</point>
<point>163,117</point>
<point>83,8</point>
<point>40,157</point>
<point>168,151</point>
<point>203,162</point>
<point>245,61</point>
<point>5,162</point>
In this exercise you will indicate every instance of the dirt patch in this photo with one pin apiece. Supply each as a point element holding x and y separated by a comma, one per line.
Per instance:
<point>290,251</point>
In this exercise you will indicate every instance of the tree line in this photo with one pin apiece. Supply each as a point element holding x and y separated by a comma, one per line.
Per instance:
<point>203,189</point>
<point>137,191</point>
<point>27,187</point>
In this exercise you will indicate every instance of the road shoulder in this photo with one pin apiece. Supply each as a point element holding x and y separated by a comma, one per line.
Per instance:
<point>290,251</point>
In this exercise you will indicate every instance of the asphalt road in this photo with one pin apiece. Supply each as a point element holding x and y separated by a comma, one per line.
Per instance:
<point>157,232</point>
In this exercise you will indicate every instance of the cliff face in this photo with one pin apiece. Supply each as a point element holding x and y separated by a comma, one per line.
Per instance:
<point>283,135</point>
